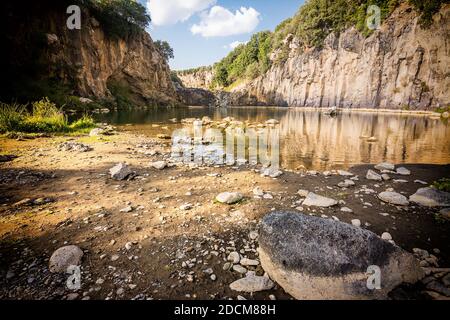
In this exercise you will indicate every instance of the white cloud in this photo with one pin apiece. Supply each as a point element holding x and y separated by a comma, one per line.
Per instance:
<point>166,12</point>
<point>235,44</point>
<point>221,22</point>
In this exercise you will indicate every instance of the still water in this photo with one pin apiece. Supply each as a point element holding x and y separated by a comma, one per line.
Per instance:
<point>316,141</point>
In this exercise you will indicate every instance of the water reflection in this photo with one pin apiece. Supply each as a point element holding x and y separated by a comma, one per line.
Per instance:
<point>317,141</point>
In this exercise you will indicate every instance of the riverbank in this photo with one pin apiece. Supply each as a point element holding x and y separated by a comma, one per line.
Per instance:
<point>161,235</point>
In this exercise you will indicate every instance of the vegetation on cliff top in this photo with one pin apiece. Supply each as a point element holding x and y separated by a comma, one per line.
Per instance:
<point>42,117</point>
<point>314,21</point>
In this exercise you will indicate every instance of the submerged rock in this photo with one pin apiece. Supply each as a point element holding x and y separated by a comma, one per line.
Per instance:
<point>393,198</point>
<point>372,175</point>
<point>385,166</point>
<point>430,197</point>
<point>403,171</point>
<point>65,257</point>
<point>252,283</point>
<point>120,172</point>
<point>313,199</point>
<point>314,258</point>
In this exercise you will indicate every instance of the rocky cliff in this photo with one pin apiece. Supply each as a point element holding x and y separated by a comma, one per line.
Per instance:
<point>400,66</point>
<point>199,78</point>
<point>88,62</point>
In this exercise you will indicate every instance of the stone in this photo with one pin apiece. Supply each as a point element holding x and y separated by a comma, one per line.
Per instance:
<point>249,262</point>
<point>445,213</point>
<point>253,235</point>
<point>385,166</point>
<point>120,172</point>
<point>356,222</point>
<point>252,283</point>
<point>385,177</point>
<point>229,197</point>
<point>318,201</point>
<point>386,236</point>
<point>345,173</point>
<point>271,172</point>
<point>258,192</point>
<point>159,165</point>
<point>186,206</point>
<point>315,258</point>
<point>64,257</point>
<point>74,146</point>
<point>345,209</point>
<point>303,193</point>
<point>372,175</point>
<point>96,132</point>
<point>346,184</point>
<point>393,198</point>
<point>127,209</point>
<point>239,269</point>
<point>403,171</point>
<point>234,257</point>
<point>431,197</point>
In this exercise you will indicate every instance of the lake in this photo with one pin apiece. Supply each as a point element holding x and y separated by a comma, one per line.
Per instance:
<point>313,140</point>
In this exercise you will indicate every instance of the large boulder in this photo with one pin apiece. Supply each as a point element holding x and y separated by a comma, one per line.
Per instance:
<point>430,197</point>
<point>65,257</point>
<point>315,258</point>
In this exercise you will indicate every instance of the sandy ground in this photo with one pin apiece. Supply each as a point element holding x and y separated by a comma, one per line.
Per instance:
<point>81,205</point>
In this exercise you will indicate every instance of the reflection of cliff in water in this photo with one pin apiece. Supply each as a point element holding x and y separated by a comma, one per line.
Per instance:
<point>322,142</point>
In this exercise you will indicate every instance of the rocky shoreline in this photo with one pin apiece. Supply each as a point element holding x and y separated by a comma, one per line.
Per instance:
<point>153,229</point>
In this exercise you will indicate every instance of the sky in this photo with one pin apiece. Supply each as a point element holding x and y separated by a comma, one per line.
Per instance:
<point>202,32</point>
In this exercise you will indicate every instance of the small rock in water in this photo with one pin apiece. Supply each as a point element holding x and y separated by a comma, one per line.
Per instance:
<point>372,175</point>
<point>345,209</point>
<point>403,171</point>
<point>229,197</point>
<point>252,283</point>
<point>345,173</point>
<point>64,257</point>
<point>385,166</point>
<point>393,198</point>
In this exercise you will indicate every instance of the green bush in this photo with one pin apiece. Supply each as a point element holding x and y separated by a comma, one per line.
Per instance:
<point>442,184</point>
<point>44,117</point>
<point>11,116</point>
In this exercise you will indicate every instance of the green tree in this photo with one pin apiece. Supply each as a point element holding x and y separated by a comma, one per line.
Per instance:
<point>165,49</point>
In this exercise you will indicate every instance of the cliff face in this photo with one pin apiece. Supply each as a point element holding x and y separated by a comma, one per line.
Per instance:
<point>88,61</point>
<point>201,78</point>
<point>401,65</point>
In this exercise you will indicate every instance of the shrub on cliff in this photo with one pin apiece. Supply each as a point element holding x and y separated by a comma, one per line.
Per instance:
<point>119,18</point>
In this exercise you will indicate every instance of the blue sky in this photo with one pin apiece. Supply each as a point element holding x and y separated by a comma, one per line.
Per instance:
<point>201,31</point>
